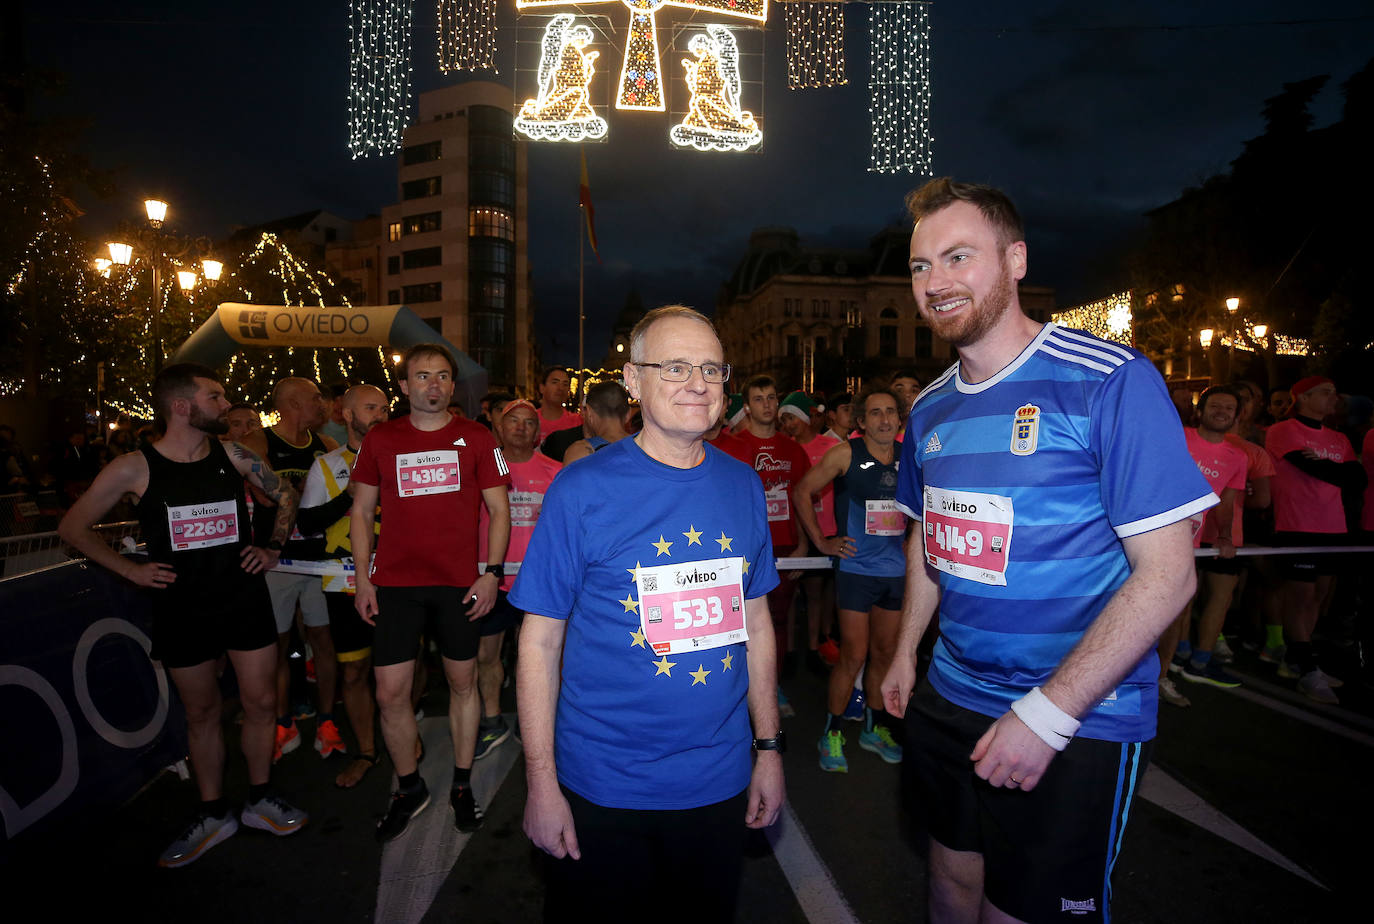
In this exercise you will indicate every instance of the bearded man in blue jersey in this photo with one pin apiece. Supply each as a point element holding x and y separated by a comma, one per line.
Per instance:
<point>1052,492</point>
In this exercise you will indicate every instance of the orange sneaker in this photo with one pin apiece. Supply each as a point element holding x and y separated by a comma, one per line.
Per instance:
<point>327,738</point>
<point>288,739</point>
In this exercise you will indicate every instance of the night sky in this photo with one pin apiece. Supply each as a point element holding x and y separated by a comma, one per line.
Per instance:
<point>1087,114</point>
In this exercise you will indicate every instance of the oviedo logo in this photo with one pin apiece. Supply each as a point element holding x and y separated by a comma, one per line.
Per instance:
<point>291,323</point>
<point>688,578</point>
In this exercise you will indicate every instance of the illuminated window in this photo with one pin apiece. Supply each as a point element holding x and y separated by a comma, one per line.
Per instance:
<point>393,231</point>
<point>419,189</point>
<point>420,224</point>
<point>422,153</point>
<point>489,222</point>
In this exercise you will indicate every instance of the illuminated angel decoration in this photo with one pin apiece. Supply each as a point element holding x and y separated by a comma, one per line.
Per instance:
<point>714,119</point>
<point>563,109</point>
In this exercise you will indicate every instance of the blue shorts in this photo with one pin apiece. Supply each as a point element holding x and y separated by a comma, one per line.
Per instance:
<point>861,592</point>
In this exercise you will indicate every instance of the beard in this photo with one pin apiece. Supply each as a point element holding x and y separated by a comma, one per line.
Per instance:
<point>215,426</point>
<point>982,316</point>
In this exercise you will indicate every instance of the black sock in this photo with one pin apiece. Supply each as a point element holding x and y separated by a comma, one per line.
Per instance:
<point>832,722</point>
<point>257,790</point>
<point>410,782</point>
<point>496,721</point>
<point>462,777</point>
<point>323,716</point>
<point>1301,656</point>
<point>215,808</point>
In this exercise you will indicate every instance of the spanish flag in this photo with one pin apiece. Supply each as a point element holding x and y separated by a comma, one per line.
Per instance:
<point>584,196</point>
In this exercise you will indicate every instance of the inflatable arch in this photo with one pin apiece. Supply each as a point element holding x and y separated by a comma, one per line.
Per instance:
<point>235,325</point>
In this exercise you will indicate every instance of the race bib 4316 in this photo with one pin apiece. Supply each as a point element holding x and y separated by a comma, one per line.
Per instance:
<point>692,606</point>
<point>431,472</point>
<point>968,534</point>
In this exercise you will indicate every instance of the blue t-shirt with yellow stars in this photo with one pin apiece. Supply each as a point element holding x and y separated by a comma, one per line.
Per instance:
<point>636,728</point>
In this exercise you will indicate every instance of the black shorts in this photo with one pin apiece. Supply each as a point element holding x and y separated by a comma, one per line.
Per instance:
<point>403,613</point>
<point>1048,853</point>
<point>1308,567</point>
<point>1218,565</point>
<point>352,636</point>
<point>502,617</point>
<point>190,628</point>
<point>861,592</point>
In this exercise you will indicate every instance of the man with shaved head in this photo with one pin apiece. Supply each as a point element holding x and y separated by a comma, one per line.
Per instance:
<point>290,447</point>
<point>325,503</point>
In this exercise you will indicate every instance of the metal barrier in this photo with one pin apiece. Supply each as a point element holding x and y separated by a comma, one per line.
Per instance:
<point>21,555</point>
<point>29,513</point>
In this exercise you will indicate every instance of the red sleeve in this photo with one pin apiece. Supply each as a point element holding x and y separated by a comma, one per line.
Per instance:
<point>365,466</point>
<point>491,465</point>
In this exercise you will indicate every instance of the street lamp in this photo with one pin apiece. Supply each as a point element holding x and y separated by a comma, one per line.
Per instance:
<point>157,211</point>
<point>186,279</point>
<point>1260,331</point>
<point>1232,304</point>
<point>1204,337</point>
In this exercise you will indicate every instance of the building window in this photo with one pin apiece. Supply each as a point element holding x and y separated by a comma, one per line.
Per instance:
<point>393,296</point>
<point>489,120</point>
<point>419,189</point>
<point>393,265</point>
<point>490,188</point>
<point>429,292</point>
<point>422,223</point>
<point>422,153</point>
<point>820,344</point>
<point>488,329</point>
<point>815,307</point>
<point>492,152</point>
<point>489,222</point>
<point>393,231</point>
<point>825,308</point>
<point>791,344</point>
<point>331,235</point>
<point>923,345</point>
<point>492,257</point>
<point>436,324</point>
<point>887,341</point>
<point>425,256</point>
<point>488,294</point>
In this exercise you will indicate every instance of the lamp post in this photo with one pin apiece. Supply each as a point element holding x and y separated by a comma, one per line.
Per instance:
<point>155,243</point>
<point>1232,306</point>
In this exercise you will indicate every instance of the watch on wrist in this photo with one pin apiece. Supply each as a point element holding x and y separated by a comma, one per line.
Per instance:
<point>776,743</point>
<point>498,570</point>
<point>274,545</point>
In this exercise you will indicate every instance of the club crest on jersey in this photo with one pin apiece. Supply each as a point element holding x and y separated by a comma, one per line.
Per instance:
<point>1025,430</point>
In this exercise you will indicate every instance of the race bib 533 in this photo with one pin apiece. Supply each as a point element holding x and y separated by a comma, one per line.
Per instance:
<point>692,606</point>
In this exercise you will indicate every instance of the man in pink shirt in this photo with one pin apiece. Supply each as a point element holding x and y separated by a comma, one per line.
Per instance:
<point>797,417</point>
<point>553,394</point>
<point>1313,463</point>
<point>531,473</point>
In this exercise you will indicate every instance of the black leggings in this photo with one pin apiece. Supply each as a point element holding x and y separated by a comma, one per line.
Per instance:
<point>681,865</point>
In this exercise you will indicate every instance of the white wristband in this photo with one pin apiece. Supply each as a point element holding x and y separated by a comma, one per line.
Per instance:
<point>1051,724</point>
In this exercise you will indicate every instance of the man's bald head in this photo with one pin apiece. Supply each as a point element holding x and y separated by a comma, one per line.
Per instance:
<point>364,406</point>
<point>299,402</point>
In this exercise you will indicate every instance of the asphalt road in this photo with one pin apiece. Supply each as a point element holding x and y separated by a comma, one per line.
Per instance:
<point>1255,810</point>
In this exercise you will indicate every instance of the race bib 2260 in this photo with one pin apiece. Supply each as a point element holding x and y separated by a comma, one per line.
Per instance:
<point>202,526</point>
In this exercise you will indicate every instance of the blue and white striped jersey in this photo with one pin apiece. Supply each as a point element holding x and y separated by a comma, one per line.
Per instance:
<point>1026,485</point>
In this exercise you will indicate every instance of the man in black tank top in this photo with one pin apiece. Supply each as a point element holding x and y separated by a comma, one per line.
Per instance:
<point>205,588</point>
<point>290,448</point>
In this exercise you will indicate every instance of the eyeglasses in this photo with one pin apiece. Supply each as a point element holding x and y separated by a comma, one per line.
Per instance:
<point>711,373</point>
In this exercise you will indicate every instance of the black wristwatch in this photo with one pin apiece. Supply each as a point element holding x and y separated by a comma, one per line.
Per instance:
<point>776,743</point>
<point>498,570</point>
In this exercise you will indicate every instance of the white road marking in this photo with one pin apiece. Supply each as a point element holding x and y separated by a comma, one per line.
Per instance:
<point>1274,697</point>
<point>1169,794</point>
<point>415,865</point>
<point>811,882</point>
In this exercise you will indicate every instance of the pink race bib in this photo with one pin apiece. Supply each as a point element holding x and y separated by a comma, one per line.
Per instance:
<point>692,606</point>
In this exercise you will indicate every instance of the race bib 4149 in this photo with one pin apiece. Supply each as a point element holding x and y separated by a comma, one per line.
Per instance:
<point>431,472</point>
<point>968,534</point>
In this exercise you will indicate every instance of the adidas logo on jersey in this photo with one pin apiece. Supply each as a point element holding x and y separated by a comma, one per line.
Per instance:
<point>933,444</point>
<point>460,442</point>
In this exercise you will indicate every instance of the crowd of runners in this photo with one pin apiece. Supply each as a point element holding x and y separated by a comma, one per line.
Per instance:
<point>647,561</point>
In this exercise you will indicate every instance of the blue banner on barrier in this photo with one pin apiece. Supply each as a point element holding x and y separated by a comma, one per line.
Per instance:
<point>86,718</point>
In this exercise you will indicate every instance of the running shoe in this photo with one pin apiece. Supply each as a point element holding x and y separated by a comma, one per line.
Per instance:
<point>404,807</point>
<point>273,814</point>
<point>1221,651</point>
<point>1210,673</point>
<point>829,651</point>
<point>831,747</point>
<point>1289,671</point>
<point>202,834</point>
<point>854,712</point>
<point>1314,686</point>
<point>785,709</point>
<point>880,742</point>
<point>1273,654</point>
<point>1176,664</point>
<point>1331,682</point>
<point>288,739</point>
<point>328,740</point>
<point>1169,693</point>
<point>489,737</point>
<point>302,710</point>
<point>467,814</point>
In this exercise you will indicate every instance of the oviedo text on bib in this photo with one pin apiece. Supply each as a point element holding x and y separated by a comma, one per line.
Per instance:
<point>692,606</point>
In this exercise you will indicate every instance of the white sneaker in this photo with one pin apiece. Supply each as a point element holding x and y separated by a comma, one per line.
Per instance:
<point>1332,682</point>
<point>1169,693</point>
<point>1221,652</point>
<point>1314,685</point>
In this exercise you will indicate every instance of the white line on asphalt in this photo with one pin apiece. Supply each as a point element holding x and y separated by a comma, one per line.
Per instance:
<point>1269,696</point>
<point>415,865</point>
<point>811,882</point>
<point>1169,794</point>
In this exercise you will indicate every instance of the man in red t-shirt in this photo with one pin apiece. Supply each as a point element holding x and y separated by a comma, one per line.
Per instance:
<point>1312,463</point>
<point>531,473</point>
<point>1224,466</point>
<point>798,418</point>
<point>780,463</point>
<point>553,395</point>
<point>430,472</point>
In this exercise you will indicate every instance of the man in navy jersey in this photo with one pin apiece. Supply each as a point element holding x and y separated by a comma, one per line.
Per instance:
<point>1052,492</point>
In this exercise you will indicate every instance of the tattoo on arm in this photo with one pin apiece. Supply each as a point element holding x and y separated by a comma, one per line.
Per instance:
<point>287,501</point>
<point>271,484</point>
